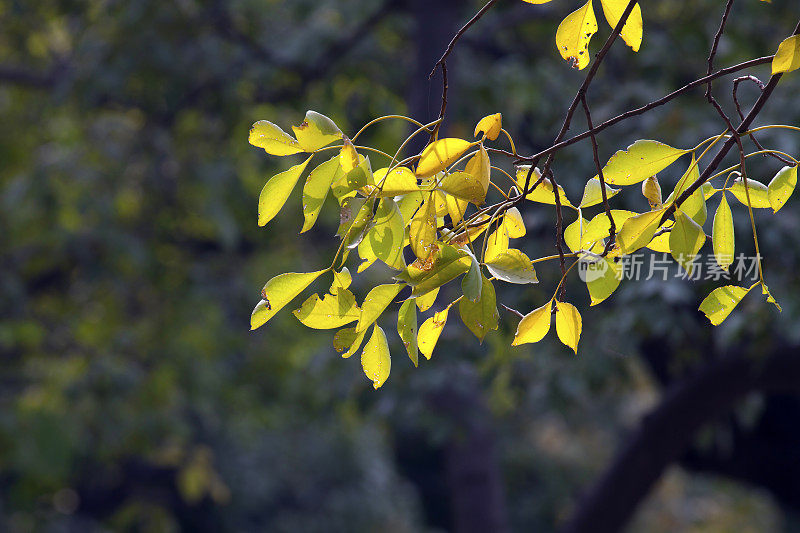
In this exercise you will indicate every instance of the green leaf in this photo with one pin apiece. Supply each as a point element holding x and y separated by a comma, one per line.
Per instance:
<point>593,193</point>
<point>316,190</point>
<point>277,191</point>
<point>638,231</point>
<point>574,33</point>
<point>407,329</point>
<point>361,175</point>
<point>641,160</point>
<point>781,187</point>
<point>759,194</point>
<point>685,240</point>
<point>447,264</point>
<point>513,266</point>
<point>278,292</point>
<point>568,324</point>
<point>633,28</point>
<point>273,139</point>
<point>348,337</point>
<point>439,155</point>
<point>430,331</point>
<point>377,300</point>
<point>386,236</point>
<point>534,326</point>
<point>375,359</point>
<point>472,282</point>
<point>722,300</point>
<point>695,205</point>
<point>722,234</point>
<point>787,58</point>
<point>316,131</point>
<point>464,186</point>
<point>481,316</point>
<point>332,311</point>
<point>602,277</point>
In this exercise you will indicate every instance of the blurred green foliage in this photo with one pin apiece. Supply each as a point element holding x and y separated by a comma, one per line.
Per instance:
<point>133,397</point>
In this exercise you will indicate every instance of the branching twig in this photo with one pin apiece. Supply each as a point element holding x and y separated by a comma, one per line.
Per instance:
<point>612,229</point>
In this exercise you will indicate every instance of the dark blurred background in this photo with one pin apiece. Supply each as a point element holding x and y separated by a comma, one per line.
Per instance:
<point>134,398</point>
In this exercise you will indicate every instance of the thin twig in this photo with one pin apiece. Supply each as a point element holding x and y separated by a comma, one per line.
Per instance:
<point>612,229</point>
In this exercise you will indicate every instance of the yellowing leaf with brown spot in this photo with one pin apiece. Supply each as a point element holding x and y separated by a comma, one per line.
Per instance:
<point>277,191</point>
<point>375,359</point>
<point>490,126</point>
<point>377,300</point>
<point>642,159</point>
<point>787,58</point>
<point>316,131</point>
<point>447,264</point>
<point>278,292</point>
<point>273,139</point>
<point>722,234</point>
<point>534,326</point>
<point>722,300</point>
<point>439,155</point>
<point>633,28</point>
<point>568,324</point>
<point>574,33</point>
<point>781,187</point>
<point>430,330</point>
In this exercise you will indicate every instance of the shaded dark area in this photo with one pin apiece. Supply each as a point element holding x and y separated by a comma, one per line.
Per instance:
<point>133,397</point>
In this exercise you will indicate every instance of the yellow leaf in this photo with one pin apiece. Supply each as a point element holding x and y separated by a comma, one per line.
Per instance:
<point>472,282</point>
<point>273,139</point>
<point>464,186</point>
<point>497,243</point>
<point>695,205</point>
<point>513,266</point>
<point>386,236</point>
<point>439,155</point>
<point>375,358</point>
<point>787,58</point>
<point>543,193</point>
<point>685,240</point>
<point>316,131</point>
<point>722,300</point>
<point>377,300</point>
<point>332,311</point>
<point>632,30</point>
<point>573,233</point>
<point>544,1</point>
<point>568,324</point>
<point>490,126</point>
<point>638,231</point>
<point>316,190</point>
<point>641,160</point>
<point>660,243</point>
<point>480,166</point>
<point>341,280</point>
<point>399,181</point>
<point>759,194</point>
<point>781,187</point>
<point>593,194</point>
<point>455,208</point>
<point>651,190</point>
<point>574,33</point>
<point>278,292</point>
<point>422,230</point>
<point>481,316</point>
<point>430,330</point>
<point>277,191</point>
<point>348,157</point>
<point>425,301</point>
<point>407,329</point>
<point>513,223</point>
<point>445,265</point>
<point>597,229</point>
<point>602,277</point>
<point>534,326</point>
<point>722,234</point>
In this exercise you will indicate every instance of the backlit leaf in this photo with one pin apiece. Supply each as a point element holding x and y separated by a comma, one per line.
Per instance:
<point>480,167</point>
<point>277,191</point>
<point>574,33</point>
<point>273,139</point>
<point>316,131</point>
<point>685,240</point>
<point>422,230</point>
<point>722,234</point>
<point>345,338</point>
<point>472,282</point>
<point>316,190</point>
<point>602,277</point>
<point>543,193</point>
<point>641,160</point>
<point>513,266</point>
<point>593,193</point>
<point>332,311</point>
<point>447,264</point>
<point>407,328</point>
<point>632,30</point>
<point>787,58</point>
<point>513,223</point>
<point>496,244</point>
<point>464,186</point>
<point>377,300</point>
<point>430,330</point>
<point>637,231</point>
<point>722,300</point>
<point>695,205</point>
<point>425,301</point>
<point>781,187</point>
<point>399,181</point>
<point>375,358</point>
<point>480,317</point>
<point>439,155</point>
<point>568,324</point>
<point>534,326</point>
<point>348,157</point>
<point>278,292</point>
<point>386,236</point>
<point>490,126</point>
<point>759,194</point>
